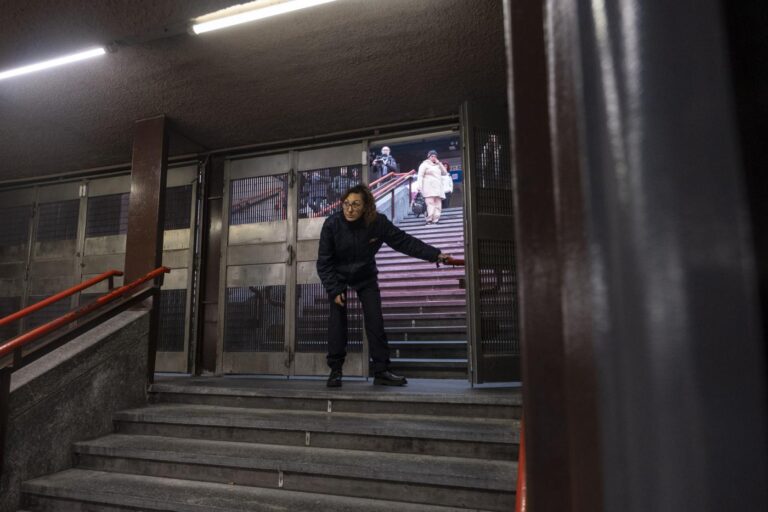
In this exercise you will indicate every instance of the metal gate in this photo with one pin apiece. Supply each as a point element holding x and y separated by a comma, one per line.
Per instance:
<point>492,301</point>
<point>174,334</point>
<point>324,175</point>
<point>53,236</point>
<point>55,256</point>
<point>16,216</point>
<point>274,319</point>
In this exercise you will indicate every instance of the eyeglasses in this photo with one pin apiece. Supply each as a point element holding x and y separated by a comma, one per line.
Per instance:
<point>352,206</point>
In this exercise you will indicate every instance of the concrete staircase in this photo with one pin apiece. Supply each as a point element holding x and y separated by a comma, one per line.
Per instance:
<point>424,307</point>
<point>230,444</point>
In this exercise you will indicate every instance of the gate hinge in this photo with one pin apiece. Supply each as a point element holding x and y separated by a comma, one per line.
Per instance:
<point>289,356</point>
<point>291,178</point>
<point>291,255</point>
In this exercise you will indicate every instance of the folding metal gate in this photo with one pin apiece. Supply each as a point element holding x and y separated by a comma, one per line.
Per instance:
<point>274,319</point>
<point>492,301</point>
<point>53,236</point>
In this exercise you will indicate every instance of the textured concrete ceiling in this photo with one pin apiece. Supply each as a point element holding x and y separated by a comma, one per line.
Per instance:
<point>340,66</point>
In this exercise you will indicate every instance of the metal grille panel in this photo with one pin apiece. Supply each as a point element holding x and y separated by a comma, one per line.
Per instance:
<point>320,189</point>
<point>173,306</point>
<point>259,199</point>
<point>255,319</point>
<point>178,203</point>
<point>9,305</point>
<point>58,221</point>
<point>312,310</point>
<point>497,294</point>
<point>47,314</point>
<point>107,215</point>
<point>14,225</point>
<point>494,172</point>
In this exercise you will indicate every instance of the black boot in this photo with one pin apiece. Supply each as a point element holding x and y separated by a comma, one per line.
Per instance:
<point>334,379</point>
<point>387,378</point>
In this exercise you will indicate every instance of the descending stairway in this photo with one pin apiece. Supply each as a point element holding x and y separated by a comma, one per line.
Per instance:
<point>424,307</point>
<point>256,445</point>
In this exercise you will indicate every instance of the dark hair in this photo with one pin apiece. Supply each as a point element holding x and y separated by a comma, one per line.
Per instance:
<point>369,203</point>
<point>432,152</point>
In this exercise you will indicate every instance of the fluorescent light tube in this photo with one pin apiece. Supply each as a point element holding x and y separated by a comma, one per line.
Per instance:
<point>87,54</point>
<point>257,13</point>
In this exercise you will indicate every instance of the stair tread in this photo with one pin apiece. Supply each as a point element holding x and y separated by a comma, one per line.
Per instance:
<point>393,467</point>
<point>390,425</point>
<point>417,391</point>
<point>430,360</point>
<point>155,493</point>
<point>428,342</point>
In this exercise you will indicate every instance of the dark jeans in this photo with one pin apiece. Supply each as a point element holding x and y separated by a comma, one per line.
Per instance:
<point>378,347</point>
<point>447,200</point>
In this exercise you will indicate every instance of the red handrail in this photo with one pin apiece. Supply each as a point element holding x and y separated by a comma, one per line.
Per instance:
<point>44,329</point>
<point>521,496</point>
<point>401,178</point>
<point>376,193</point>
<point>454,261</point>
<point>61,295</point>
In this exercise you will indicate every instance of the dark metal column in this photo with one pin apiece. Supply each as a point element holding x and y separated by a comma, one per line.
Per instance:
<point>680,357</point>
<point>210,265</point>
<point>559,374</point>
<point>144,240</point>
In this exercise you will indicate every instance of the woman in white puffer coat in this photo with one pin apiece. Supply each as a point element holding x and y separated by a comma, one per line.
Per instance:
<point>430,184</point>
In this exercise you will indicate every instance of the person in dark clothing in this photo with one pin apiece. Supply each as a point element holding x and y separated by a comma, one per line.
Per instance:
<point>384,163</point>
<point>349,242</point>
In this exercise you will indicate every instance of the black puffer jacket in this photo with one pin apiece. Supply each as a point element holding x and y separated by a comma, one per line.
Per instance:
<point>347,250</point>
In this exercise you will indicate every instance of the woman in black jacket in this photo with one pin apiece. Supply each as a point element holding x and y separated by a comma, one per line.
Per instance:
<point>349,242</point>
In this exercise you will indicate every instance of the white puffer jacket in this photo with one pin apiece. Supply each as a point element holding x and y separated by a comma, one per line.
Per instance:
<point>430,181</point>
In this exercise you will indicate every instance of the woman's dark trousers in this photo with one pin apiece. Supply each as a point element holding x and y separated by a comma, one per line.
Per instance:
<point>378,347</point>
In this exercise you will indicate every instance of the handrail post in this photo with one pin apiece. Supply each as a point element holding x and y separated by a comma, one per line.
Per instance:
<point>521,494</point>
<point>154,331</point>
<point>5,394</point>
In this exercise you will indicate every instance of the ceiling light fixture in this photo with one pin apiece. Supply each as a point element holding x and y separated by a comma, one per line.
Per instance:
<point>250,12</point>
<point>60,61</point>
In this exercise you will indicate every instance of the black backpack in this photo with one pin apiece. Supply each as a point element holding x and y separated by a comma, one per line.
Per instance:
<point>419,205</point>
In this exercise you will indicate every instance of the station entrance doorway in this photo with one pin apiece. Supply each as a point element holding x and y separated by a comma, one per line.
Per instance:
<point>448,322</point>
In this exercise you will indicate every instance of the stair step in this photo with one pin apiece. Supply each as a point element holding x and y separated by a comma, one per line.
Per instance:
<point>438,282</point>
<point>431,295</point>
<point>452,247</point>
<point>421,396</point>
<point>449,481</point>
<point>445,273</point>
<point>411,265</point>
<point>105,491</point>
<point>455,437</point>
<point>429,349</point>
<point>434,368</point>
